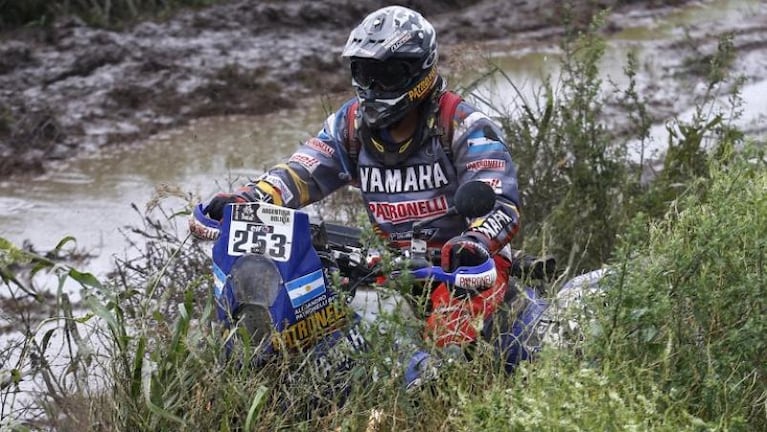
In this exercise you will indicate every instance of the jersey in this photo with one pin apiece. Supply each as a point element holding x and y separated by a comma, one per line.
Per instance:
<point>421,187</point>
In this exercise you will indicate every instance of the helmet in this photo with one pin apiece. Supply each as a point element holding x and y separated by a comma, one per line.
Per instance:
<point>393,56</point>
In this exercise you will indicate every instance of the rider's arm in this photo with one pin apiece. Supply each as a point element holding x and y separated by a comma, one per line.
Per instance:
<point>480,153</point>
<point>316,169</point>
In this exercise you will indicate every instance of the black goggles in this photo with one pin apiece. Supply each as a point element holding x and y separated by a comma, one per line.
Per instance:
<point>385,75</point>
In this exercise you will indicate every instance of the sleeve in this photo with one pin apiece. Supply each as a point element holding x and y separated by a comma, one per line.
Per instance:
<point>315,170</point>
<point>481,153</point>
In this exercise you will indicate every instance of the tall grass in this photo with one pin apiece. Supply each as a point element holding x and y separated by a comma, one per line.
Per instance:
<point>575,181</point>
<point>689,305</point>
<point>47,353</point>
<point>578,186</point>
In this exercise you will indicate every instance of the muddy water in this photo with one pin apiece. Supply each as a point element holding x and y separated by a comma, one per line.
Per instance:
<point>90,198</point>
<point>646,38</point>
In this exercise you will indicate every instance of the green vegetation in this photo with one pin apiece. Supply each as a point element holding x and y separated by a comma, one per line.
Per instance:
<point>573,172</point>
<point>677,343</point>
<point>688,304</point>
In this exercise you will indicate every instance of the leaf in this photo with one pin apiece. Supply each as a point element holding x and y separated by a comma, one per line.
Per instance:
<point>138,364</point>
<point>9,278</point>
<point>46,339</point>
<point>255,406</point>
<point>147,370</point>
<point>649,333</point>
<point>85,318</point>
<point>63,242</point>
<point>41,265</point>
<point>113,322</point>
<point>128,294</point>
<point>85,279</point>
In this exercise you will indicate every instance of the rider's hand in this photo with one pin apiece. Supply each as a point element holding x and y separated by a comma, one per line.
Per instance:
<point>216,206</point>
<point>258,192</point>
<point>468,249</point>
<point>204,230</point>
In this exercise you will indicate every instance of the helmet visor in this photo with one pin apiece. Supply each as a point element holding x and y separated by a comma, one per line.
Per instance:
<point>389,75</point>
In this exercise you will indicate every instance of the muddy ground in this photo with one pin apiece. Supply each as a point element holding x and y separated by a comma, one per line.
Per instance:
<point>70,88</point>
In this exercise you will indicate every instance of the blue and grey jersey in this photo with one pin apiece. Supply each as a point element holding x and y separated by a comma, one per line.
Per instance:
<point>421,187</point>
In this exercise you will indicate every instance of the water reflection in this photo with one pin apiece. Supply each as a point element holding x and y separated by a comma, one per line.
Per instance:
<point>90,198</point>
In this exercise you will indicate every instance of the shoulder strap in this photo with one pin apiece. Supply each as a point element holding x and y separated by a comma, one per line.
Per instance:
<point>352,141</point>
<point>448,103</point>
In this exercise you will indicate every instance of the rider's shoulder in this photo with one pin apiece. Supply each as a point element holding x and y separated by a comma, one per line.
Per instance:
<point>337,120</point>
<point>343,109</point>
<point>468,117</point>
<point>346,106</point>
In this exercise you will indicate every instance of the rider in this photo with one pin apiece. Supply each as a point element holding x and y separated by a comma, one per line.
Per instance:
<point>387,142</point>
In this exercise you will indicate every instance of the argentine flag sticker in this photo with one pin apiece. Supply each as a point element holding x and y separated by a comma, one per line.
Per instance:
<point>305,288</point>
<point>480,143</point>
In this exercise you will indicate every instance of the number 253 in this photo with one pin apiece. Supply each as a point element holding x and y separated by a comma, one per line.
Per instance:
<point>253,241</point>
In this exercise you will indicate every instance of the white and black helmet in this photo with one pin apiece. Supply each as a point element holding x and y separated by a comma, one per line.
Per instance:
<point>393,55</point>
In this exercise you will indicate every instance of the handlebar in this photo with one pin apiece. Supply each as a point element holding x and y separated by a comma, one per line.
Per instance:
<point>342,237</point>
<point>465,277</point>
<point>343,243</point>
<point>199,215</point>
<point>361,270</point>
<point>343,240</point>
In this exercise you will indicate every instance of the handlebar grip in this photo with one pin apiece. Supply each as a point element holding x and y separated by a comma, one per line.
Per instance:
<point>200,216</point>
<point>203,227</point>
<point>472,275</point>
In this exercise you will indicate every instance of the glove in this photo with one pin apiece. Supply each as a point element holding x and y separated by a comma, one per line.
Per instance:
<point>215,209</point>
<point>208,230</point>
<point>467,249</point>
<point>216,206</point>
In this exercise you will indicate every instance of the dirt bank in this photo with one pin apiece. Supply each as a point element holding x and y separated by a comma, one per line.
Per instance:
<point>70,88</point>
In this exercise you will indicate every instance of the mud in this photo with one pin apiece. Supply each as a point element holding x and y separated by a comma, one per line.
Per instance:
<point>70,89</point>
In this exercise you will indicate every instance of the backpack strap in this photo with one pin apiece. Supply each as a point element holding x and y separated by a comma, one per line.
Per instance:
<point>448,103</point>
<point>352,141</point>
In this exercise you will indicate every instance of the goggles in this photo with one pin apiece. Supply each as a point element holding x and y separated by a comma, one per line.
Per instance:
<point>390,75</point>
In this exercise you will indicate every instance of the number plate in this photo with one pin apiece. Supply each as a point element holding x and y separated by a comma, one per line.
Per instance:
<point>263,229</point>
